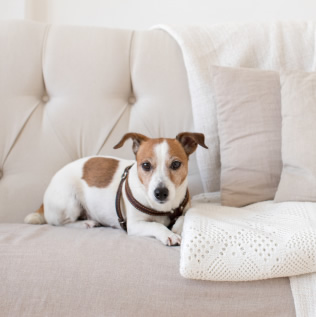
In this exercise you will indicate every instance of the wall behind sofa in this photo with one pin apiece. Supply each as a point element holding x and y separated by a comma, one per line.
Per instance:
<point>141,14</point>
<point>12,9</point>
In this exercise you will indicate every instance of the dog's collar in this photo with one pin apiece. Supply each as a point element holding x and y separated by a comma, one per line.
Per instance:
<point>173,214</point>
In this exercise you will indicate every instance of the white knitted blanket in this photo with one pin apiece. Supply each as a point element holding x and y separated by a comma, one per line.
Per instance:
<point>260,241</point>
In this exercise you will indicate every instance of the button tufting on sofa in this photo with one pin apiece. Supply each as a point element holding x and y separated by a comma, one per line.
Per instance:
<point>131,100</point>
<point>45,98</point>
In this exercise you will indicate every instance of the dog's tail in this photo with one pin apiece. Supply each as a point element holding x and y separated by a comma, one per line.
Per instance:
<point>36,218</point>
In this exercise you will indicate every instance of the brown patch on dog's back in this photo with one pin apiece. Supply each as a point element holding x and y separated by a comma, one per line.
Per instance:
<point>99,171</point>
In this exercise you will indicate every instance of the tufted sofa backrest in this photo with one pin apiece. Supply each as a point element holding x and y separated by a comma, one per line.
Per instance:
<point>67,92</point>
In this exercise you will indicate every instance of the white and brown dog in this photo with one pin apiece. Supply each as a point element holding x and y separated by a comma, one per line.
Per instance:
<point>89,192</point>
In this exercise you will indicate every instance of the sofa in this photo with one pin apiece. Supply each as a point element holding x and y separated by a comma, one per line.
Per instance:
<point>68,92</point>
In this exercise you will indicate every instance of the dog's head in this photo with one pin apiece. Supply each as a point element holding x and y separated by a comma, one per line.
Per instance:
<point>162,164</point>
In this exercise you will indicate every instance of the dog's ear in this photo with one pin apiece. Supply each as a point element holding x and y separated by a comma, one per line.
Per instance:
<point>190,141</point>
<point>137,140</point>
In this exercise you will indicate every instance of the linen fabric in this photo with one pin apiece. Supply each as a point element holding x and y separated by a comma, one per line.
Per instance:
<point>57,271</point>
<point>249,126</point>
<point>298,178</point>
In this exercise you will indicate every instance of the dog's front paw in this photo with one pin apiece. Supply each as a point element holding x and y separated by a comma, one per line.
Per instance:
<point>91,224</point>
<point>173,239</point>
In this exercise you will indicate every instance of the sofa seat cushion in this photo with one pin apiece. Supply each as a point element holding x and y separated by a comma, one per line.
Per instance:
<point>57,271</point>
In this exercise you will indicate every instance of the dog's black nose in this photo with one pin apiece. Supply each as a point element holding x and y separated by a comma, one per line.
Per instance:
<point>161,193</point>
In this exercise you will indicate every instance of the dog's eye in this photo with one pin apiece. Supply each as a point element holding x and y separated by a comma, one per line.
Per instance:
<point>146,166</point>
<point>175,165</point>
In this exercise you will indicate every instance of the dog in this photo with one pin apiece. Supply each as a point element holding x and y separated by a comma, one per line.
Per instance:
<point>89,192</point>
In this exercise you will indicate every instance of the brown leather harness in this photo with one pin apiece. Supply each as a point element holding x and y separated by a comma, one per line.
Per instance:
<point>173,214</point>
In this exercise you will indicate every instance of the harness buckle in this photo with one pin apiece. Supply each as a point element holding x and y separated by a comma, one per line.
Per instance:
<point>125,173</point>
<point>123,224</point>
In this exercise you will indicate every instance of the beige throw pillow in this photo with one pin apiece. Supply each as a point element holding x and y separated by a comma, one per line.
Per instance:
<point>249,123</point>
<point>298,178</point>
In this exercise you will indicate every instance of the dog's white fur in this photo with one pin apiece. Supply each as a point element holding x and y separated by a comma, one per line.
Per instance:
<point>68,194</point>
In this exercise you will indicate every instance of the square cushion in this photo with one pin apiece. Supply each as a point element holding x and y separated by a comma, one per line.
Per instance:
<point>249,122</point>
<point>298,178</point>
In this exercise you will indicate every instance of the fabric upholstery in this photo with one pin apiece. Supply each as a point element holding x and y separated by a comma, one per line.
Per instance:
<point>68,91</point>
<point>56,271</point>
<point>298,178</point>
<point>248,103</point>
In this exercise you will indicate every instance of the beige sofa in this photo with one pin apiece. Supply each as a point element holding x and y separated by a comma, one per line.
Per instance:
<point>67,92</point>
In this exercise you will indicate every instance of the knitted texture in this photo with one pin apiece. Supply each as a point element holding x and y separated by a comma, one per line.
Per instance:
<point>260,241</point>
